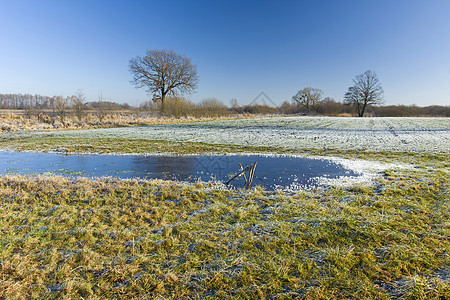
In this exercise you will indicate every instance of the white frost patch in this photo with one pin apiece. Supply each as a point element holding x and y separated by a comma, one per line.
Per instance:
<point>367,170</point>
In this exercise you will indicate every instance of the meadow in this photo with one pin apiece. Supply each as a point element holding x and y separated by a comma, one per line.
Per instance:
<point>387,238</point>
<point>430,135</point>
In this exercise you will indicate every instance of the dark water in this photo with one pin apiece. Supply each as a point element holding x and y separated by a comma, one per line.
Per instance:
<point>271,172</point>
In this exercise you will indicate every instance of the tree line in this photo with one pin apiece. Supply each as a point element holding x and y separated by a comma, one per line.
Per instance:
<point>211,107</point>
<point>22,101</point>
<point>330,107</point>
<point>49,109</point>
<point>166,76</point>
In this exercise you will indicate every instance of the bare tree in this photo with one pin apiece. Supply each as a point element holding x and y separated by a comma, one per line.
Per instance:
<point>164,73</point>
<point>149,106</point>
<point>101,110</point>
<point>308,97</point>
<point>60,108</point>
<point>39,111</point>
<point>78,105</point>
<point>366,90</point>
<point>234,103</point>
<point>28,109</point>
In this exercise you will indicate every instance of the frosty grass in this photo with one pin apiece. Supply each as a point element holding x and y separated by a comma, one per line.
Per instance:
<point>427,135</point>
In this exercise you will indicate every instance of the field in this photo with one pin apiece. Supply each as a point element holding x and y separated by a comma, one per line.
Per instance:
<point>430,135</point>
<point>97,238</point>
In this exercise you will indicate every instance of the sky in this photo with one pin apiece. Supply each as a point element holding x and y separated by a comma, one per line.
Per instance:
<point>240,48</point>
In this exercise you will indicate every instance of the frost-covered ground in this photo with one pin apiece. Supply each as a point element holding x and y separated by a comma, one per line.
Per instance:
<point>429,135</point>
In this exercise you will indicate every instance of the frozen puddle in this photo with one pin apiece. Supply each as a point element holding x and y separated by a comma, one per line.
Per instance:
<point>272,172</point>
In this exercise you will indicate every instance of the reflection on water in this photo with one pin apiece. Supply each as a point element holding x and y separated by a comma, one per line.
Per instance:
<point>271,172</point>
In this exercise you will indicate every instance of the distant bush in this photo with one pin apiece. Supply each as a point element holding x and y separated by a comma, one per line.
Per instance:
<point>289,108</point>
<point>411,111</point>
<point>330,107</point>
<point>211,107</point>
<point>178,107</point>
<point>326,107</point>
<point>258,109</point>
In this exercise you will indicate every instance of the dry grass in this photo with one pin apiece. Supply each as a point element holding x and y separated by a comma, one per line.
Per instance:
<point>14,120</point>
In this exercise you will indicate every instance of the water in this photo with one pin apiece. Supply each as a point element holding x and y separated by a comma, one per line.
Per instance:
<point>272,172</point>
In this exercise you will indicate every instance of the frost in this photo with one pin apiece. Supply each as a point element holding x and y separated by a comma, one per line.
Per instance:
<point>367,171</point>
<point>429,135</point>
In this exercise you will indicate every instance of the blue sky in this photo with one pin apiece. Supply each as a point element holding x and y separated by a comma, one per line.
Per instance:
<point>240,47</point>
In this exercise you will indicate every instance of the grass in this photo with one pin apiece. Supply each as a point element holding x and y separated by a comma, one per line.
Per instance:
<point>115,145</point>
<point>134,239</point>
<point>67,144</point>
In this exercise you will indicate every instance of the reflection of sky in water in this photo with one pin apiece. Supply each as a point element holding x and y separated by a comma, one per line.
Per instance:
<point>270,172</point>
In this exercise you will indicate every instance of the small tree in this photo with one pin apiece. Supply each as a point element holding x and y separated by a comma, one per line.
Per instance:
<point>101,109</point>
<point>28,111</point>
<point>164,73</point>
<point>308,97</point>
<point>78,105</point>
<point>60,108</point>
<point>234,103</point>
<point>366,90</point>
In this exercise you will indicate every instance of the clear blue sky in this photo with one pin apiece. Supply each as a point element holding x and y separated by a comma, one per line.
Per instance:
<point>240,47</point>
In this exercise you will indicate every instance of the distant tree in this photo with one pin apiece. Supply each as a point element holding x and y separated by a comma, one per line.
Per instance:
<point>164,73</point>
<point>366,90</point>
<point>287,107</point>
<point>78,105</point>
<point>101,108</point>
<point>234,103</point>
<point>150,106</point>
<point>60,107</point>
<point>39,111</point>
<point>28,111</point>
<point>308,97</point>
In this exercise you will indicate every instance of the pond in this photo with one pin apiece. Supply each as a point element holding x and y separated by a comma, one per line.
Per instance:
<point>272,172</point>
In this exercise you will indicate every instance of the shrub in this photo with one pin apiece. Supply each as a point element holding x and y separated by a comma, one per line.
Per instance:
<point>178,107</point>
<point>211,107</point>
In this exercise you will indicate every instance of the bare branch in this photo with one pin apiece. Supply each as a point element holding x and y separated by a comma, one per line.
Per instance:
<point>366,90</point>
<point>308,97</point>
<point>163,73</point>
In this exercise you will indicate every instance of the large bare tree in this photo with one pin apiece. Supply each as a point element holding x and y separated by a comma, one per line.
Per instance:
<point>164,73</point>
<point>366,90</point>
<point>308,97</point>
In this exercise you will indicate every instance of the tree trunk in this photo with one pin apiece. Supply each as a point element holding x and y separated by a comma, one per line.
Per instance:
<point>363,109</point>
<point>358,108</point>
<point>163,98</point>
